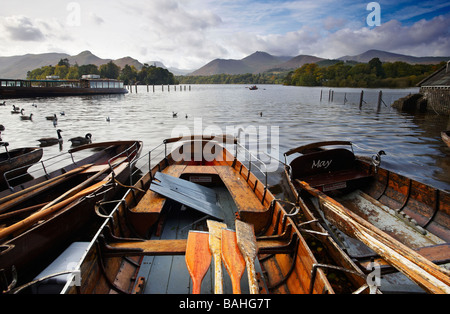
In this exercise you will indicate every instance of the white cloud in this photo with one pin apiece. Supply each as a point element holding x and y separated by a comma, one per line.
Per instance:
<point>22,28</point>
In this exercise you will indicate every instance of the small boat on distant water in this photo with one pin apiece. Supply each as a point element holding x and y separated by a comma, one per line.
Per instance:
<point>254,87</point>
<point>446,137</point>
<point>375,214</point>
<point>53,87</point>
<point>20,159</point>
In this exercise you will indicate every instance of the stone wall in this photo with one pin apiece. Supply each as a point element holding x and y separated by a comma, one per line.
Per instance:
<point>430,99</point>
<point>438,99</point>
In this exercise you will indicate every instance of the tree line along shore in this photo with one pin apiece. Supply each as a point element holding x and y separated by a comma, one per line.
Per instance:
<point>374,74</point>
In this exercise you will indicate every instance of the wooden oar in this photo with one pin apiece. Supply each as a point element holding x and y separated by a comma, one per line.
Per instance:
<point>215,236</point>
<point>84,184</point>
<point>198,258</point>
<point>246,240</point>
<point>43,214</point>
<point>426,274</point>
<point>12,200</point>
<point>233,259</point>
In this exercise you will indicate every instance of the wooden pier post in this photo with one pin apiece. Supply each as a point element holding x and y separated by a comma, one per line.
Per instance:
<point>321,95</point>
<point>136,87</point>
<point>361,99</point>
<point>380,95</point>
<point>147,88</point>
<point>153,87</point>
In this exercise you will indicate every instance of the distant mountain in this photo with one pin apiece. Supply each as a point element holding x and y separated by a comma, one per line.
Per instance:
<point>16,67</point>
<point>385,56</point>
<point>299,61</point>
<point>260,62</point>
<point>257,62</point>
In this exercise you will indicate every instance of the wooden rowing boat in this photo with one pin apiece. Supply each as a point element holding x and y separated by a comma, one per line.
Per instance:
<point>446,137</point>
<point>17,161</point>
<point>357,200</point>
<point>37,222</point>
<point>152,242</point>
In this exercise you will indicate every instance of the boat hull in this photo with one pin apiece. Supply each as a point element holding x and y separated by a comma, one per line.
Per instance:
<point>26,251</point>
<point>397,207</point>
<point>33,92</point>
<point>20,159</point>
<point>285,262</point>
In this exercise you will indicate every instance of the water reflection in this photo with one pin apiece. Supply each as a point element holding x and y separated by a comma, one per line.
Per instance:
<point>412,142</point>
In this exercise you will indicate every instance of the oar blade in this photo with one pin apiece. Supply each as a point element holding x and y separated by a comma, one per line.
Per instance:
<point>198,258</point>
<point>246,240</point>
<point>215,245</point>
<point>233,259</point>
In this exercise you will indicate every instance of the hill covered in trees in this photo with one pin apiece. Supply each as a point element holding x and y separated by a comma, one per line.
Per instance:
<point>373,74</point>
<point>148,74</point>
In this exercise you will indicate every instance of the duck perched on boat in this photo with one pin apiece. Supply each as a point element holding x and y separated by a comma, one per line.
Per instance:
<point>48,141</point>
<point>81,140</point>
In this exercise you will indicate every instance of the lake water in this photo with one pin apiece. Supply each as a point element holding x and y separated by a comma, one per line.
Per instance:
<point>412,142</point>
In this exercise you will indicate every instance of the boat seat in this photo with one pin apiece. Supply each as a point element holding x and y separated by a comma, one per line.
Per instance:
<point>326,170</point>
<point>242,193</point>
<point>146,213</point>
<point>146,248</point>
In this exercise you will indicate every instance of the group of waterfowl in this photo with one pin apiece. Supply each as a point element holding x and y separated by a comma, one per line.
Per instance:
<point>76,141</point>
<point>49,141</point>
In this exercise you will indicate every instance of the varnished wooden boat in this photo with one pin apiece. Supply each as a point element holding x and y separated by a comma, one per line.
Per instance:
<point>375,214</point>
<point>446,137</point>
<point>38,221</point>
<point>17,161</point>
<point>143,245</point>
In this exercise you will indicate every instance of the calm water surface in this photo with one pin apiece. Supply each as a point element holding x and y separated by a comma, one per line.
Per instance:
<point>412,142</point>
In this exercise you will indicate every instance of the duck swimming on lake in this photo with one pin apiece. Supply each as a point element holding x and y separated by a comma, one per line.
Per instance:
<point>23,117</point>
<point>81,140</point>
<point>53,118</point>
<point>48,141</point>
<point>16,109</point>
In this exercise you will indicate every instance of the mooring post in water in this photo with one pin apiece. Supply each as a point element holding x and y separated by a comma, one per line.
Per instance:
<point>136,87</point>
<point>153,87</point>
<point>130,88</point>
<point>168,87</point>
<point>361,99</point>
<point>380,95</point>
<point>321,95</point>
<point>162,86</point>
<point>147,88</point>
<point>332,96</point>
<point>329,95</point>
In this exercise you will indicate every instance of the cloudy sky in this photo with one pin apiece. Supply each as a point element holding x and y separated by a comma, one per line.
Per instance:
<point>190,33</point>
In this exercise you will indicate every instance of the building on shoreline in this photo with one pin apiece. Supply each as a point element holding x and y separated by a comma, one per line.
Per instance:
<point>436,90</point>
